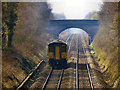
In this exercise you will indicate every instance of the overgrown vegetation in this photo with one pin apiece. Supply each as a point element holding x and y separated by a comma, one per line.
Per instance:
<point>106,43</point>
<point>24,39</point>
<point>30,31</point>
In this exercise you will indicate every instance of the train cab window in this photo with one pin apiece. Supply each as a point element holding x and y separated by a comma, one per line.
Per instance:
<point>51,49</point>
<point>63,48</point>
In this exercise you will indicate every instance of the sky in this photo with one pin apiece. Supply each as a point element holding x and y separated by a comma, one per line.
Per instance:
<point>75,9</point>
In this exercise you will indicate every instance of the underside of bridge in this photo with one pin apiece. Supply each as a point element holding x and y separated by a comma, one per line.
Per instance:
<point>57,26</point>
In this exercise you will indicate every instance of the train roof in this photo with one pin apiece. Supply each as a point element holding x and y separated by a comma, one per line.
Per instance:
<point>57,41</point>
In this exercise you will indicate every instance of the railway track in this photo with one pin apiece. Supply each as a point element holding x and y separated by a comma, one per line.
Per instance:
<point>88,69</point>
<point>23,84</point>
<point>81,72</point>
<point>84,68</point>
<point>54,79</point>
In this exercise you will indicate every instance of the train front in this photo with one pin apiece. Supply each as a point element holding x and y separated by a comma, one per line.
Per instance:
<point>57,54</point>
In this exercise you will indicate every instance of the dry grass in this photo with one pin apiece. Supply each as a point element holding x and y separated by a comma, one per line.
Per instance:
<point>12,73</point>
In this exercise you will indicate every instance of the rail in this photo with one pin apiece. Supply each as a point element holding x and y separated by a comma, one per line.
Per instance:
<point>48,77</point>
<point>31,73</point>
<point>60,80</point>
<point>77,74</point>
<point>46,81</point>
<point>90,79</point>
<point>70,43</point>
<point>68,38</point>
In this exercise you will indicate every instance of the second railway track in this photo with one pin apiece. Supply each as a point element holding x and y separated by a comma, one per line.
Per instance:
<point>85,80</point>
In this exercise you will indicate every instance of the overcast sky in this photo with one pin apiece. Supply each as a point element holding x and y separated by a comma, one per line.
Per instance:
<point>75,9</point>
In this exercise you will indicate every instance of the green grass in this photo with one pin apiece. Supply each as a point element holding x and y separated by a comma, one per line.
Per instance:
<point>91,46</point>
<point>116,83</point>
<point>97,58</point>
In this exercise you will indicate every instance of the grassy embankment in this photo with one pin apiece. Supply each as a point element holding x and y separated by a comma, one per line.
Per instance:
<point>106,43</point>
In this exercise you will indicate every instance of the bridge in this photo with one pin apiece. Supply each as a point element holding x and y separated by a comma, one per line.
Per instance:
<point>57,26</point>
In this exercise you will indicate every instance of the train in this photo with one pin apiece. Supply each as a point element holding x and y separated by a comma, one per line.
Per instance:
<point>57,54</point>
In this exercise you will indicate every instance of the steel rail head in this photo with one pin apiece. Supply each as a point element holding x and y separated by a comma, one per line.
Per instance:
<point>46,81</point>
<point>70,45</point>
<point>29,75</point>
<point>68,38</point>
<point>60,80</point>
<point>77,74</point>
<point>90,79</point>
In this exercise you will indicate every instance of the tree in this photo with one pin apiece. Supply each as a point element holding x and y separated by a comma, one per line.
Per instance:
<point>9,17</point>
